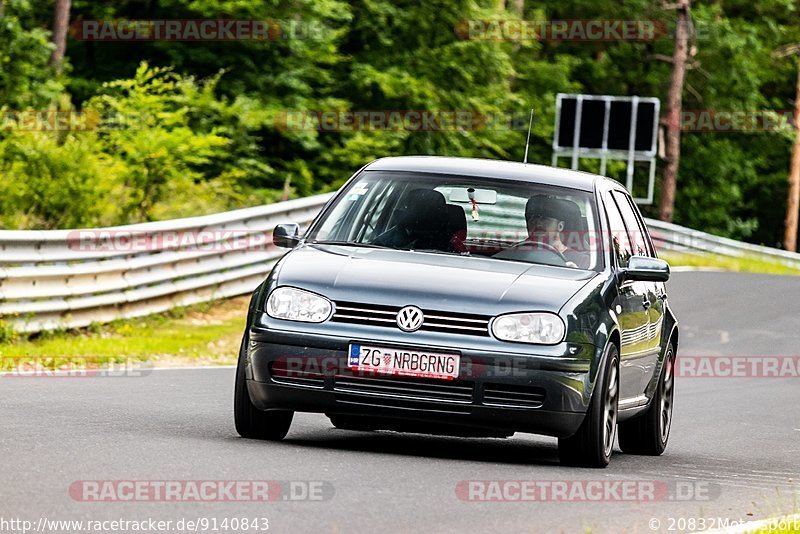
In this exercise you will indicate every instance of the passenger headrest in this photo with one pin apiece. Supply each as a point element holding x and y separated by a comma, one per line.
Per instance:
<point>424,210</point>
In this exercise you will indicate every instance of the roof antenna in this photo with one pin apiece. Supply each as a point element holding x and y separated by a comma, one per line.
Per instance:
<point>528,142</point>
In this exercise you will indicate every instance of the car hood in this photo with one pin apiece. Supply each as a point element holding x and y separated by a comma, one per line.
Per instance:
<point>468,284</point>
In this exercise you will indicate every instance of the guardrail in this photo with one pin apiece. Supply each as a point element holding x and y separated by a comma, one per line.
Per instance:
<point>73,278</point>
<point>667,236</point>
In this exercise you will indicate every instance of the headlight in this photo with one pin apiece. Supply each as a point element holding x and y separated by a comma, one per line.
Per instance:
<point>297,305</point>
<point>541,328</point>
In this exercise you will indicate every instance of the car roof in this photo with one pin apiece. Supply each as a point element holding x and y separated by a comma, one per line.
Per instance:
<point>491,168</point>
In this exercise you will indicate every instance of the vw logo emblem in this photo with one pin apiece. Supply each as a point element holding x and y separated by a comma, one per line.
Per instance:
<point>410,318</point>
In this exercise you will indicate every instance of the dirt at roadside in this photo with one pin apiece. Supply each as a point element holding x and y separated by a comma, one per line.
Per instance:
<point>221,351</point>
<point>219,311</point>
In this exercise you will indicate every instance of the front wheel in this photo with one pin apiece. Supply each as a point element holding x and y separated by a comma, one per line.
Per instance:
<point>250,421</point>
<point>648,433</point>
<point>592,444</point>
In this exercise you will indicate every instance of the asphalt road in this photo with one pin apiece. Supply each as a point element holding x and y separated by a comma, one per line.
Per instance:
<point>735,444</point>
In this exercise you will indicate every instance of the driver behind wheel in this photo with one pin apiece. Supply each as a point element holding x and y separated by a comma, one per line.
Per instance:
<point>546,218</point>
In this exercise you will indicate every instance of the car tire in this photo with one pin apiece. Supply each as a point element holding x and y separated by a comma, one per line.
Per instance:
<point>592,444</point>
<point>647,434</point>
<point>251,422</point>
<point>349,422</point>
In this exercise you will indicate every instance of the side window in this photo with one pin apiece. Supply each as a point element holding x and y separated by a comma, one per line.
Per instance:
<point>636,232</point>
<point>356,215</point>
<point>620,242</point>
<point>377,217</point>
<point>645,232</point>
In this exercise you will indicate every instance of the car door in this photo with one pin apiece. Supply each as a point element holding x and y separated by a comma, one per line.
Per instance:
<point>656,291</point>
<point>653,306</point>
<point>631,310</point>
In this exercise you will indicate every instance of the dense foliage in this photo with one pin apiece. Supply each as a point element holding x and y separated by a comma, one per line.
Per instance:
<point>180,128</point>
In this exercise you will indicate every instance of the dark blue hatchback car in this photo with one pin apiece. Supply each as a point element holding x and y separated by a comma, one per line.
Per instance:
<point>467,297</point>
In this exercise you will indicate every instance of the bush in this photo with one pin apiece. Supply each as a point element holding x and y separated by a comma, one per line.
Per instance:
<point>7,332</point>
<point>55,183</point>
<point>160,146</point>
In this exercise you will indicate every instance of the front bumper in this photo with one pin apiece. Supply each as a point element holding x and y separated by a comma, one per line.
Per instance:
<point>498,391</point>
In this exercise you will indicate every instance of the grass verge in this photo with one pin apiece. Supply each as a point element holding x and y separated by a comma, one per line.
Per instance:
<point>744,264</point>
<point>206,334</point>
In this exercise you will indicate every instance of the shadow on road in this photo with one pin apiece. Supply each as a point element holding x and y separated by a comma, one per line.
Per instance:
<point>490,450</point>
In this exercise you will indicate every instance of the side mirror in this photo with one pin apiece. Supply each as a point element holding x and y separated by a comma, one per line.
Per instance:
<point>286,235</point>
<point>644,269</point>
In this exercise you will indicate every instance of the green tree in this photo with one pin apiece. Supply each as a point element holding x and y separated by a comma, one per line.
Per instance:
<point>25,78</point>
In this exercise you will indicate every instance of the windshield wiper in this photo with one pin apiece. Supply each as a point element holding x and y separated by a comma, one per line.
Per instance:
<point>348,244</point>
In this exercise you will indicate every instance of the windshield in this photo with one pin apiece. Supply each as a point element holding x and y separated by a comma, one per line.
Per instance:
<point>502,219</point>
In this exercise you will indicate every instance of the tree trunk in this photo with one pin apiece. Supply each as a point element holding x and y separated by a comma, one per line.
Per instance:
<point>519,6</point>
<point>287,188</point>
<point>60,26</point>
<point>674,102</point>
<point>793,205</point>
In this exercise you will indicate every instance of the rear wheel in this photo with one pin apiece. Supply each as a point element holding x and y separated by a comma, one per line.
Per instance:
<point>648,433</point>
<point>250,421</point>
<point>592,444</point>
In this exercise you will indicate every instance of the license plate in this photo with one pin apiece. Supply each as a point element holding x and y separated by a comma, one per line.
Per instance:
<point>403,362</point>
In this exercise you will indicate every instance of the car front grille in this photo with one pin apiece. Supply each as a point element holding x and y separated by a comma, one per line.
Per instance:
<point>407,388</point>
<point>282,373</point>
<point>409,392</point>
<point>513,395</point>
<point>435,321</point>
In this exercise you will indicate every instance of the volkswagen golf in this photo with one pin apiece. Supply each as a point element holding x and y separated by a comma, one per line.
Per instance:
<point>467,297</point>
